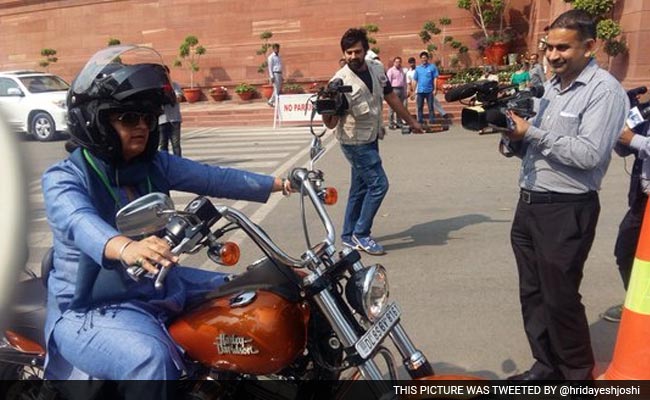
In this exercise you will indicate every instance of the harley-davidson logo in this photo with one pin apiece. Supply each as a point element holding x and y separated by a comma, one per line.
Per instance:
<point>233,344</point>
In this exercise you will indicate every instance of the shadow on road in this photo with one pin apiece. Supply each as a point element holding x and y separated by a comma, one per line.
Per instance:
<point>603,340</point>
<point>432,233</point>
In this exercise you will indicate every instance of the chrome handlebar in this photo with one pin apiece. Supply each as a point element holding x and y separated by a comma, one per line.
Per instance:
<point>298,175</point>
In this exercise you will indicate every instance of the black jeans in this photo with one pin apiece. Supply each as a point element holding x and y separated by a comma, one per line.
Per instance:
<point>551,242</point>
<point>171,131</point>
<point>628,237</point>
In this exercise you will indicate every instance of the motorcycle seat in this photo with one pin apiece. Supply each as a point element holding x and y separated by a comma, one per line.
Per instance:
<point>28,310</point>
<point>263,275</point>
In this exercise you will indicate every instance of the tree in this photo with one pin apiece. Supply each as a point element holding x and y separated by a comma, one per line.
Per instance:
<point>114,42</point>
<point>189,53</point>
<point>264,36</point>
<point>431,28</point>
<point>50,58</point>
<point>489,17</point>
<point>372,28</point>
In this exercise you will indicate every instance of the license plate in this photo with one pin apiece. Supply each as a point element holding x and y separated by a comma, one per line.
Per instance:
<point>376,334</point>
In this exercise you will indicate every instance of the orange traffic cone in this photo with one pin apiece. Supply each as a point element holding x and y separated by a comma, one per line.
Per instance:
<point>631,360</point>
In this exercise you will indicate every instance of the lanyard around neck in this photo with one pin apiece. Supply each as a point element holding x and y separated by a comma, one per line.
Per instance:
<point>104,178</point>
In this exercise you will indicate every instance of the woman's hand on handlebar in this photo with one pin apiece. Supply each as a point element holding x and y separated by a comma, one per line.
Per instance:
<point>145,253</point>
<point>283,185</point>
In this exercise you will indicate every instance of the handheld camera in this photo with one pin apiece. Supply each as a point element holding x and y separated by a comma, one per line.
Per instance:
<point>329,99</point>
<point>491,101</point>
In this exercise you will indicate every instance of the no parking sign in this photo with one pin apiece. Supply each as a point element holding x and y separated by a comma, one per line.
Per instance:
<point>294,108</point>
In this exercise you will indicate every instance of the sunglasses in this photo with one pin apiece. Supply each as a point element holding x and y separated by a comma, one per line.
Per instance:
<point>131,119</point>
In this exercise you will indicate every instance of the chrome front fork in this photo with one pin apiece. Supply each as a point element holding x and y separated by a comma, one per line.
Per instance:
<point>414,360</point>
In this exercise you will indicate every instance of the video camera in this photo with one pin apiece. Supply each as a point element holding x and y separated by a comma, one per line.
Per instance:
<point>492,101</point>
<point>329,99</point>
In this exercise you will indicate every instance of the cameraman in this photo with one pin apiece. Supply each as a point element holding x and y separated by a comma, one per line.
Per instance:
<point>632,141</point>
<point>565,150</point>
<point>358,126</point>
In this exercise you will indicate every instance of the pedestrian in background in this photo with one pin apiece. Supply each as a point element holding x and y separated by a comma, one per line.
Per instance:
<point>437,106</point>
<point>275,73</point>
<point>521,76</point>
<point>397,79</point>
<point>358,126</point>
<point>169,123</point>
<point>411,85</point>
<point>634,141</point>
<point>565,149</point>
<point>537,75</point>
<point>425,78</point>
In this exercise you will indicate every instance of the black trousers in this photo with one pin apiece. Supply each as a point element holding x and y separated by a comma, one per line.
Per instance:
<point>628,236</point>
<point>170,131</point>
<point>551,242</point>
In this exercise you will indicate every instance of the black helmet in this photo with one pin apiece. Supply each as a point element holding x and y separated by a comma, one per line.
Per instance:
<point>117,78</point>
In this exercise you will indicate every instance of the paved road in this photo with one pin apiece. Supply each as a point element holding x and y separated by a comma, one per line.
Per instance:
<point>445,224</point>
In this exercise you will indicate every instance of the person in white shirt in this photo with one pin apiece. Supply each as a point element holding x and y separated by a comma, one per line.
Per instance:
<point>275,73</point>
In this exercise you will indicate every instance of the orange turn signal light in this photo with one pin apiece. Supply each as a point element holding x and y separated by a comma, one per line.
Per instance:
<point>229,253</point>
<point>331,196</point>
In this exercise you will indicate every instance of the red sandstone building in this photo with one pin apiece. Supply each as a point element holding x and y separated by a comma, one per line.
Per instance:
<point>309,32</point>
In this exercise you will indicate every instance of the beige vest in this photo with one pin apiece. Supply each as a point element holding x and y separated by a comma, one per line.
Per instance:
<point>362,123</point>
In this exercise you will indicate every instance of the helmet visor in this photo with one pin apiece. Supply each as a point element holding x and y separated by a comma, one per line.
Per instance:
<point>104,62</point>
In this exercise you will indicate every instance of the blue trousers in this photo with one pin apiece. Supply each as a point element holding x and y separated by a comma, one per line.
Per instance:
<point>368,187</point>
<point>126,341</point>
<point>420,106</point>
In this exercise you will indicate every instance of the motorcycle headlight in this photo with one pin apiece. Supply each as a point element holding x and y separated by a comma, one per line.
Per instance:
<point>367,291</point>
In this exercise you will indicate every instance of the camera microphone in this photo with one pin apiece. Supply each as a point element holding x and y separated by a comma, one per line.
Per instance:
<point>460,92</point>
<point>637,91</point>
<point>537,91</point>
<point>633,94</point>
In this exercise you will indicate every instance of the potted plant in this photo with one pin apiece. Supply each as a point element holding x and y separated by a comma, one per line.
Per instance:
<point>219,93</point>
<point>293,88</point>
<point>245,91</point>
<point>267,88</point>
<point>189,53</point>
<point>489,17</point>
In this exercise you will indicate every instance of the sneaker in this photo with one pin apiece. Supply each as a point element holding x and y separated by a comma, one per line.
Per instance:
<point>348,242</point>
<point>613,314</point>
<point>368,245</point>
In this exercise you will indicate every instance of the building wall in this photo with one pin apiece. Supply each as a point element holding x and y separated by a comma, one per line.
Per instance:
<point>309,32</point>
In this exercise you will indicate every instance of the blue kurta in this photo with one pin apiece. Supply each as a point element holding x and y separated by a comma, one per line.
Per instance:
<point>78,228</point>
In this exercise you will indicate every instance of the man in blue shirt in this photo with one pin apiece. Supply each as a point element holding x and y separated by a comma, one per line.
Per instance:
<point>425,78</point>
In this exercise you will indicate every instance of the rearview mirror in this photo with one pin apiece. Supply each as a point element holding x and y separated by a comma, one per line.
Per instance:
<point>145,216</point>
<point>14,92</point>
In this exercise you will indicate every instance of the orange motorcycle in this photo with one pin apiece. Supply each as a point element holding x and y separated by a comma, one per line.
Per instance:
<point>321,316</point>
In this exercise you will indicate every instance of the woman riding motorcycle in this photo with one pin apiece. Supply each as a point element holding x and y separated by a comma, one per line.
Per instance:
<point>101,323</point>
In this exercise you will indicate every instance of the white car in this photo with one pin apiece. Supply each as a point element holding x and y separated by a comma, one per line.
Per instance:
<point>34,102</point>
